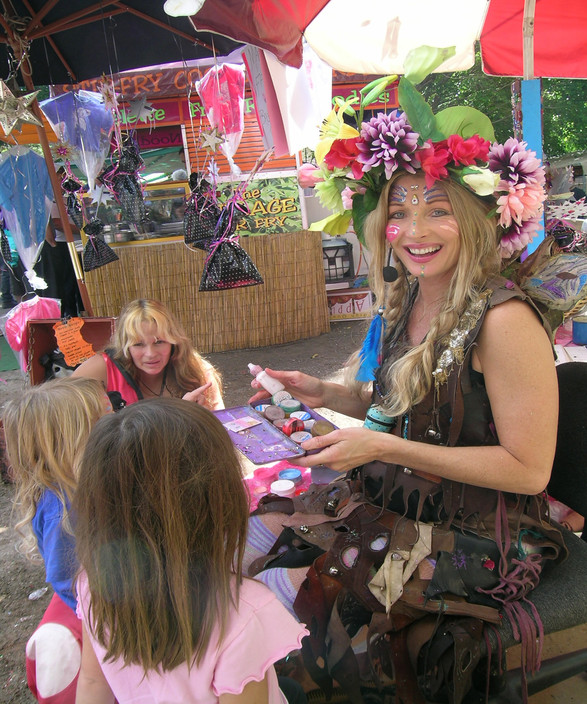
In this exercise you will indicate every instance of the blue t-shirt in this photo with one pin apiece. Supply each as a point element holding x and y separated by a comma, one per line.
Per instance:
<point>57,547</point>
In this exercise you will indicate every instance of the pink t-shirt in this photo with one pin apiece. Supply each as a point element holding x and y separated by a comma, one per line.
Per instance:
<point>258,635</point>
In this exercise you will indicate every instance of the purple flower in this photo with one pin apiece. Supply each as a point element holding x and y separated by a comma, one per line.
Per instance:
<point>515,162</point>
<point>516,237</point>
<point>388,140</point>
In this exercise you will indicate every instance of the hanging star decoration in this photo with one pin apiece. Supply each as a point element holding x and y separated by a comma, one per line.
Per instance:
<point>99,194</point>
<point>211,139</point>
<point>106,89</point>
<point>141,109</point>
<point>63,151</point>
<point>14,111</point>
<point>213,170</point>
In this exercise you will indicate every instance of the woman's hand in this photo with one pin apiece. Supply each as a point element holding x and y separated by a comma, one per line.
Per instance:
<point>198,395</point>
<point>342,449</point>
<point>305,388</point>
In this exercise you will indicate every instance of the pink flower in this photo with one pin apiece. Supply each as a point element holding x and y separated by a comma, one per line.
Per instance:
<point>309,175</point>
<point>347,198</point>
<point>433,159</point>
<point>468,151</point>
<point>520,201</point>
<point>342,153</point>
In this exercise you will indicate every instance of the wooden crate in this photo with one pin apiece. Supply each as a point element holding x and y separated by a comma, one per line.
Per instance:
<point>41,337</point>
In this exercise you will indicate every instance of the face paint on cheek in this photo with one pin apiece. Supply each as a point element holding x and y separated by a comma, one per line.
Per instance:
<point>391,232</point>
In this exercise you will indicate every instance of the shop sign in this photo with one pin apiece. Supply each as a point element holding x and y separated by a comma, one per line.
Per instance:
<point>274,207</point>
<point>387,100</point>
<point>171,112</point>
<point>160,138</point>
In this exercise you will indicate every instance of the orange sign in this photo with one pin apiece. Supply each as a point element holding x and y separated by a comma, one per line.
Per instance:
<point>70,341</point>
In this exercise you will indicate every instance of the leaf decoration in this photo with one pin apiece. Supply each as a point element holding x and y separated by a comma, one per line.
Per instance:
<point>373,90</point>
<point>423,60</point>
<point>336,224</point>
<point>360,213</point>
<point>420,115</point>
<point>464,121</point>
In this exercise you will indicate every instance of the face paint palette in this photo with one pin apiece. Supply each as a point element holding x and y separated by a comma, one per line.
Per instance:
<point>257,438</point>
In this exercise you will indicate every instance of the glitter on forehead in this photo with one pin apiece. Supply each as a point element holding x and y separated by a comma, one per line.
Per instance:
<point>398,194</point>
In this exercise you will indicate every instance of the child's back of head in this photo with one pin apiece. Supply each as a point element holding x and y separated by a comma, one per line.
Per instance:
<point>161,516</point>
<point>46,428</point>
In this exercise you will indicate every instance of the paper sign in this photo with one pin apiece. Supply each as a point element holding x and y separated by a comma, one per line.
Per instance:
<point>241,424</point>
<point>70,341</point>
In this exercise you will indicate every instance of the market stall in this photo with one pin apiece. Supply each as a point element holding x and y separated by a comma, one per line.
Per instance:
<point>290,305</point>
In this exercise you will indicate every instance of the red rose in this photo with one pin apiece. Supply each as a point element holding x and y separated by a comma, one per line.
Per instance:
<point>467,151</point>
<point>433,158</point>
<point>342,153</point>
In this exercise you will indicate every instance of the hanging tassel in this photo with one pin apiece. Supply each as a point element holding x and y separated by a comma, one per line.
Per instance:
<point>370,352</point>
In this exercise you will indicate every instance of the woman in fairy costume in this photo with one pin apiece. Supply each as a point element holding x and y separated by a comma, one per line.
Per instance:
<point>456,381</point>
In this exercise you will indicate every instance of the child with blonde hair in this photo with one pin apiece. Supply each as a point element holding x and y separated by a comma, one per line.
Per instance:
<point>46,428</point>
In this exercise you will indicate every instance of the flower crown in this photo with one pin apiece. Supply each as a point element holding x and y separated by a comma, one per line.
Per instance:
<point>457,143</point>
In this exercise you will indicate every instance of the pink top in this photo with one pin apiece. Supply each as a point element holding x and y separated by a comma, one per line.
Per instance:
<point>258,635</point>
<point>116,382</point>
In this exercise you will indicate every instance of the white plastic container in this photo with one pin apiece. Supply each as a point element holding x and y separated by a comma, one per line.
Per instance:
<point>269,383</point>
<point>283,487</point>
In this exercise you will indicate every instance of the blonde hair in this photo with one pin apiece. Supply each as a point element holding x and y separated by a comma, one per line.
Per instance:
<point>408,379</point>
<point>187,367</point>
<point>161,521</point>
<point>46,428</point>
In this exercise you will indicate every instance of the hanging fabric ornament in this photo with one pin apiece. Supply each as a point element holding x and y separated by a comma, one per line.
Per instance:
<point>201,214</point>
<point>71,186</point>
<point>5,248</point>
<point>25,197</point>
<point>121,179</point>
<point>82,120</point>
<point>96,252</point>
<point>370,352</point>
<point>14,111</point>
<point>228,266</point>
<point>222,91</point>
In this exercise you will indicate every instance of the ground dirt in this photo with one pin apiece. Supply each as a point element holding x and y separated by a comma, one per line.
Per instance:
<point>321,356</point>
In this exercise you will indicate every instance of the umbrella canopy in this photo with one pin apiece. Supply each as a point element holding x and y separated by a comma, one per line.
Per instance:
<point>68,42</point>
<point>370,37</point>
<point>555,38</point>
<point>374,37</point>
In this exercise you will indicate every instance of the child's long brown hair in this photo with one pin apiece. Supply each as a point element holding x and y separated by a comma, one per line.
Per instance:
<point>161,513</point>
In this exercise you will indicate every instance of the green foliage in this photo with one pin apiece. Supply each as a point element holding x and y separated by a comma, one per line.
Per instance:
<point>564,104</point>
<point>419,114</point>
<point>464,121</point>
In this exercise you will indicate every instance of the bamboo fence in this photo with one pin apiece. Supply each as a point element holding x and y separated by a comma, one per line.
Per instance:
<point>290,305</point>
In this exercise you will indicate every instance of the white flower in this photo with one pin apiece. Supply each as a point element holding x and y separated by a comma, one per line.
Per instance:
<point>483,182</point>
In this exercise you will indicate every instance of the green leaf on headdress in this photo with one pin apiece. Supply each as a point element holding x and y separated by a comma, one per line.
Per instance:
<point>373,90</point>
<point>423,60</point>
<point>419,113</point>
<point>363,204</point>
<point>464,121</point>
<point>336,224</point>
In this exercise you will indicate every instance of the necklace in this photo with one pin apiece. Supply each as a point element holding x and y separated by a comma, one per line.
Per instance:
<point>163,385</point>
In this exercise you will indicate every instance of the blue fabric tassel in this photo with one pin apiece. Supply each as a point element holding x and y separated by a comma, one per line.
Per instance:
<point>370,352</point>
